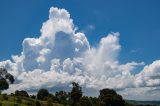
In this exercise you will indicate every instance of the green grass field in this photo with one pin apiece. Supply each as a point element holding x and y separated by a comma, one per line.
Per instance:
<point>23,101</point>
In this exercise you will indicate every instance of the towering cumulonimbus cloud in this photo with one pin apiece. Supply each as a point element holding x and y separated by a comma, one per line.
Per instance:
<point>61,55</point>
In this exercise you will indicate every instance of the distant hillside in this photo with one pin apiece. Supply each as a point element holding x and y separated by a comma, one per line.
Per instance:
<point>157,103</point>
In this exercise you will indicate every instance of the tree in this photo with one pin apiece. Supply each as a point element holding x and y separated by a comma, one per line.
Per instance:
<point>3,84</point>
<point>33,96</point>
<point>61,95</point>
<point>4,97</point>
<point>37,103</point>
<point>4,76</point>
<point>95,101</point>
<point>76,93</point>
<point>10,78</point>
<point>49,102</point>
<point>21,93</point>
<point>109,97</point>
<point>42,93</point>
<point>85,101</point>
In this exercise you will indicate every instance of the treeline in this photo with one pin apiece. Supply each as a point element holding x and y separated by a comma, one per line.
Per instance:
<point>107,97</point>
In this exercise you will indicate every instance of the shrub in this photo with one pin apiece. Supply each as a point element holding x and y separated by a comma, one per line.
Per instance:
<point>5,97</point>
<point>42,93</point>
<point>21,93</point>
<point>18,100</point>
<point>37,103</point>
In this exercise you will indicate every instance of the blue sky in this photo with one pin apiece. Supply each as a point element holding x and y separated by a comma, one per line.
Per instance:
<point>137,21</point>
<point>92,65</point>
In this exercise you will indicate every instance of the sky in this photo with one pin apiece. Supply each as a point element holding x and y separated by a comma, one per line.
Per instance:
<point>57,38</point>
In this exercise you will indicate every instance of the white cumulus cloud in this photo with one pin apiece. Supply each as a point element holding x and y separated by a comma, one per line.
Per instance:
<point>61,55</point>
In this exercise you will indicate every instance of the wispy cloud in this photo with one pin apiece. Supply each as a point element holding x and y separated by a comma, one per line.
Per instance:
<point>88,28</point>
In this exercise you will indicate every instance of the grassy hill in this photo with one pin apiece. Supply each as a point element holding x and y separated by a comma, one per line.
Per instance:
<point>107,97</point>
<point>8,100</point>
<point>23,101</point>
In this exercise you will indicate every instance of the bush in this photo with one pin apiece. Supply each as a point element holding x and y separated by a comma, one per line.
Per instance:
<point>109,97</point>
<point>61,97</point>
<point>85,101</point>
<point>37,103</point>
<point>12,94</point>
<point>42,93</point>
<point>4,97</point>
<point>18,100</point>
<point>16,104</point>
<point>33,96</point>
<point>21,93</point>
<point>49,102</point>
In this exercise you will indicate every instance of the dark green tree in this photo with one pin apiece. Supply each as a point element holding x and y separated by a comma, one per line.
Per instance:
<point>85,101</point>
<point>42,93</point>
<point>5,78</point>
<point>10,78</point>
<point>49,102</point>
<point>33,96</point>
<point>4,97</point>
<point>37,103</point>
<point>109,97</point>
<point>21,93</point>
<point>76,93</point>
<point>61,95</point>
<point>3,84</point>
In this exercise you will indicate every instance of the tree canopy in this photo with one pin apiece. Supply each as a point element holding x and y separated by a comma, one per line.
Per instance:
<point>42,93</point>
<point>3,84</point>
<point>76,93</point>
<point>5,78</point>
<point>21,93</point>
<point>109,97</point>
